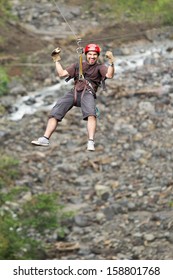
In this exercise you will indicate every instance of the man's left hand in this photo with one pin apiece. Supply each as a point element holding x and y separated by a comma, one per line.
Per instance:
<point>110,57</point>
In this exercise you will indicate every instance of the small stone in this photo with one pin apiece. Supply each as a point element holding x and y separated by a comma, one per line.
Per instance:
<point>149,237</point>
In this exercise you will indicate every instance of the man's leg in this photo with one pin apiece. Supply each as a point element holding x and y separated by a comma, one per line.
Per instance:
<point>88,107</point>
<point>51,126</point>
<point>44,140</point>
<point>62,106</point>
<point>91,127</point>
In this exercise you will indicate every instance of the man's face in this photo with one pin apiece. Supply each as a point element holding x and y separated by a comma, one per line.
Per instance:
<point>92,57</point>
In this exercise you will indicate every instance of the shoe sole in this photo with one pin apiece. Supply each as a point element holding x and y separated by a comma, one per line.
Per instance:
<point>36,143</point>
<point>91,150</point>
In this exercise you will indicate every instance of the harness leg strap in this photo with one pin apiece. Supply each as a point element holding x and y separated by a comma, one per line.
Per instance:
<point>82,94</point>
<point>75,96</point>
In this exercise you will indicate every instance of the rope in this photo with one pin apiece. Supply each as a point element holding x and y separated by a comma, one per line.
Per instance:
<point>65,19</point>
<point>30,64</point>
<point>95,40</point>
<point>85,41</point>
<point>115,37</point>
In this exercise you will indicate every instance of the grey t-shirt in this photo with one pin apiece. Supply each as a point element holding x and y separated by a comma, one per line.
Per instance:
<point>94,73</point>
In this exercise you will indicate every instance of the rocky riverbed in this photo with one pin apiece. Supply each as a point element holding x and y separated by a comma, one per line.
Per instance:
<point>121,194</point>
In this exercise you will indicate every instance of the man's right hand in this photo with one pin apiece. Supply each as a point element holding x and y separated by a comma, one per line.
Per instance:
<point>56,54</point>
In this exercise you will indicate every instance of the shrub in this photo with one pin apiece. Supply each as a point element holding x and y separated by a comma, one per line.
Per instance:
<point>135,10</point>
<point>4,79</point>
<point>42,212</point>
<point>8,170</point>
<point>38,215</point>
<point>24,225</point>
<point>14,245</point>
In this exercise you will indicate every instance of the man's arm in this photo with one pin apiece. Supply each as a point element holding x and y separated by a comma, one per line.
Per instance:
<point>111,69</point>
<point>56,58</point>
<point>61,72</point>
<point>110,72</point>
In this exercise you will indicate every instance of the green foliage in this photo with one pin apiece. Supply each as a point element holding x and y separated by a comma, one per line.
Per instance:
<point>135,10</point>
<point>40,214</point>
<point>13,194</point>
<point>5,7</point>
<point>171,203</point>
<point>13,241</point>
<point>4,79</point>
<point>164,9</point>
<point>43,212</point>
<point>8,170</point>
<point>14,245</point>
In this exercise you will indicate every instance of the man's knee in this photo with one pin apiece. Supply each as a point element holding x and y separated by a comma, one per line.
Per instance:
<point>91,117</point>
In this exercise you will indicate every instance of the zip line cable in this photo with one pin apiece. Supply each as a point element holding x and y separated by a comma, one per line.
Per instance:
<point>81,40</point>
<point>78,41</point>
<point>115,37</point>
<point>100,39</point>
<point>95,40</point>
<point>85,41</point>
<point>65,19</point>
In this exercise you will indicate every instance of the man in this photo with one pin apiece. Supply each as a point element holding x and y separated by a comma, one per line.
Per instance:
<point>82,95</point>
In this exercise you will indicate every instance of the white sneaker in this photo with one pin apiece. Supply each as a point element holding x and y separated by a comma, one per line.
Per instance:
<point>90,145</point>
<point>42,141</point>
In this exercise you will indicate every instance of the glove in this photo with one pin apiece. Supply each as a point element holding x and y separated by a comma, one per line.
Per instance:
<point>56,54</point>
<point>110,57</point>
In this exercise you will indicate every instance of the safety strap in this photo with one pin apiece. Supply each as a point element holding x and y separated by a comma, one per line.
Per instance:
<point>81,76</point>
<point>80,53</point>
<point>82,94</point>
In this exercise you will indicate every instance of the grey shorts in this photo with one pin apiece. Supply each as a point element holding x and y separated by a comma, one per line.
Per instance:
<point>65,103</point>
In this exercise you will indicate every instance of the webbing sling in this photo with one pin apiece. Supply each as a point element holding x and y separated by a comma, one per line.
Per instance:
<point>75,93</point>
<point>80,53</point>
<point>81,76</point>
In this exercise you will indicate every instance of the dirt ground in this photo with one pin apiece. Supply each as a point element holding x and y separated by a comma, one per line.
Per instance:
<point>17,41</point>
